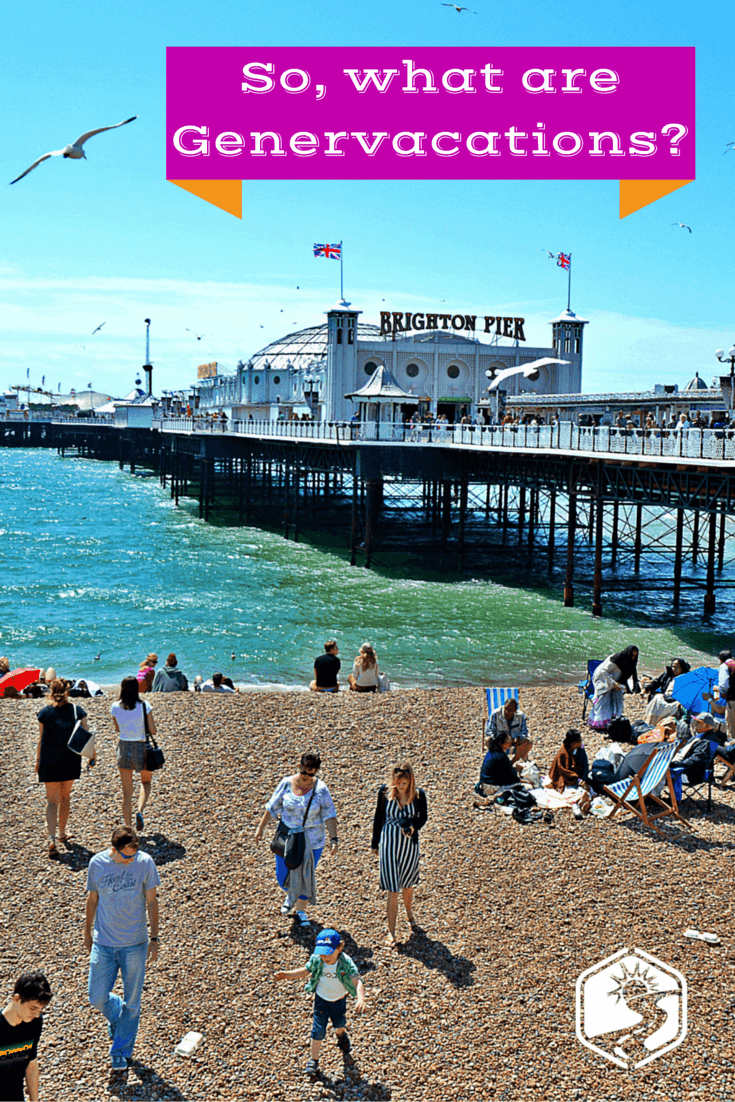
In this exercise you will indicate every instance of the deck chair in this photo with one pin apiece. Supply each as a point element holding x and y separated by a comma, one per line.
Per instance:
<point>585,686</point>
<point>493,699</point>
<point>630,794</point>
<point>689,789</point>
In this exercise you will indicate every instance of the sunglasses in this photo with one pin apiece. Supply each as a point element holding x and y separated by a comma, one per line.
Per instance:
<point>306,773</point>
<point>126,856</point>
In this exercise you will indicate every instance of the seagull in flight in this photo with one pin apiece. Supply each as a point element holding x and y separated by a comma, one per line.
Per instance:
<point>459,9</point>
<point>98,328</point>
<point>74,151</point>
<point>195,334</point>
<point>730,144</point>
<point>682,225</point>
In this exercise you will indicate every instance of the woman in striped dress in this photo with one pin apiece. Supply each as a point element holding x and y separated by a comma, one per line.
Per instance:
<point>399,816</point>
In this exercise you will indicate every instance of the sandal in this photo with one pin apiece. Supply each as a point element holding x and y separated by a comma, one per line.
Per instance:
<point>52,850</point>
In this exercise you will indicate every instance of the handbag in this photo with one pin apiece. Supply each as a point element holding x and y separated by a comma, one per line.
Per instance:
<point>291,845</point>
<point>154,758</point>
<point>81,741</point>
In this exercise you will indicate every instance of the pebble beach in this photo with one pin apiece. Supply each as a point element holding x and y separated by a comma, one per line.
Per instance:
<point>479,1003</point>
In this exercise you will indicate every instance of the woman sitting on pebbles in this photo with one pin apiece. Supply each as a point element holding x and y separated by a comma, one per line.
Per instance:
<point>570,769</point>
<point>496,769</point>
<point>57,766</point>
<point>146,673</point>
<point>399,816</point>
<point>365,673</point>
<point>302,800</point>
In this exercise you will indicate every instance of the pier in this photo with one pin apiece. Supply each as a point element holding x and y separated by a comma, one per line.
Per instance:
<point>457,495</point>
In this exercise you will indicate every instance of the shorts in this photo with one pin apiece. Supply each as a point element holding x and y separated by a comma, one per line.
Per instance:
<point>324,1010</point>
<point>131,754</point>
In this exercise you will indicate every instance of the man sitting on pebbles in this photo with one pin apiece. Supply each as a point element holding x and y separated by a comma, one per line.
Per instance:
<point>216,685</point>
<point>326,668</point>
<point>509,720</point>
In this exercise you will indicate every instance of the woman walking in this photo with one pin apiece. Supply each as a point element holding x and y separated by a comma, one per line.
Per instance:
<point>58,766</point>
<point>301,801</point>
<point>399,816</point>
<point>128,718</point>
<point>365,673</point>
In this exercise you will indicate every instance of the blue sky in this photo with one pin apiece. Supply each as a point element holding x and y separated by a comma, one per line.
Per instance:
<point>110,240</point>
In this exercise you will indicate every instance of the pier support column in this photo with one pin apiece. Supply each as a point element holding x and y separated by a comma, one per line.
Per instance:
<point>552,529</point>
<point>521,514</point>
<point>614,537</point>
<point>597,581</point>
<point>504,494</point>
<point>462,519</point>
<point>202,487</point>
<point>678,553</point>
<point>709,596</point>
<point>568,581</point>
<point>638,530</point>
<point>446,513</point>
<point>695,537</point>
<point>721,544</point>
<point>287,499</point>
<point>532,520</point>
<point>353,525</point>
<point>296,492</point>
<point>373,498</point>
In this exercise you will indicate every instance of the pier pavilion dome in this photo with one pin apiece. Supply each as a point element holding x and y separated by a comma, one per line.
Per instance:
<point>306,348</point>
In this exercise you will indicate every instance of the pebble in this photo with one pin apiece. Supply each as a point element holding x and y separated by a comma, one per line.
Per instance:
<point>480,1005</point>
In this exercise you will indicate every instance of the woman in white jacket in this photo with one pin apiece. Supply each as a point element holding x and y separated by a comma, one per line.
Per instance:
<point>365,673</point>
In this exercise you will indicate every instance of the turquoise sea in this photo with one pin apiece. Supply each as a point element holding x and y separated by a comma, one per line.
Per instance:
<point>96,561</point>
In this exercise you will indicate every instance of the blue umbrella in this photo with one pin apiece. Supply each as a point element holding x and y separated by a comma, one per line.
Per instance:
<point>688,688</point>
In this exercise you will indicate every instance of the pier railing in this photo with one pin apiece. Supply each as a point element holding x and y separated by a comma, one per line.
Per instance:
<point>692,443</point>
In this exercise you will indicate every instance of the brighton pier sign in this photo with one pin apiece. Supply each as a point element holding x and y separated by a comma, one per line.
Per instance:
<point>392,322</point>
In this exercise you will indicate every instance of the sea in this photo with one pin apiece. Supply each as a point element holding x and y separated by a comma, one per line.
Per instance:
<point>99,567</point>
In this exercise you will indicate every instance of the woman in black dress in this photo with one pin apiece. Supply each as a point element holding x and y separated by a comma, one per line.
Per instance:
<point>57,766</point>
<point>399,816</point>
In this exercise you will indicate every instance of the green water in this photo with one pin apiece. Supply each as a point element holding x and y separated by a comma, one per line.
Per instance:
<point>95,561</point>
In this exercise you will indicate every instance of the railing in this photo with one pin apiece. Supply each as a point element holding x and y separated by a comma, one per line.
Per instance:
<point>717,444</point>
<point>21,416</point>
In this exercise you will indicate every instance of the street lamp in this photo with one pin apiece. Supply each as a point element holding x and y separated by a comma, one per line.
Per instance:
<point>725,359</point>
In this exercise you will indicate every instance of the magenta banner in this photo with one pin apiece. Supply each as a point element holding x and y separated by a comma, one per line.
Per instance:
<point>238,113</point>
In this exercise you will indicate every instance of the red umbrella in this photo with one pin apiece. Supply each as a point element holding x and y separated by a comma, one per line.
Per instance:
<point>18,679</point>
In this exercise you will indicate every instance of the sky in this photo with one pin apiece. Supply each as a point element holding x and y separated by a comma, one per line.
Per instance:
<point>110,240</point>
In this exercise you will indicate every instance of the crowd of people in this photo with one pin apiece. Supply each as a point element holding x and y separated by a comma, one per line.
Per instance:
<point>703,738</point>
<point>121,931</point>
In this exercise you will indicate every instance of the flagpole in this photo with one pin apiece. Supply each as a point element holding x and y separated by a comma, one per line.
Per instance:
<point>569,286</point>
<point>341,276</point>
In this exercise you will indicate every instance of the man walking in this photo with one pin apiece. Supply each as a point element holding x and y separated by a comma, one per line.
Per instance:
<point>121,886</point>
<point>20,1029</point>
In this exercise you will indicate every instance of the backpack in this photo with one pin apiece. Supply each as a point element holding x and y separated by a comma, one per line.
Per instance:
<point>620,730</point>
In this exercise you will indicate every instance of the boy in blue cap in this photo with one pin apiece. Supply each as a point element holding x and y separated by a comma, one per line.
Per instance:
<point>331,975</point>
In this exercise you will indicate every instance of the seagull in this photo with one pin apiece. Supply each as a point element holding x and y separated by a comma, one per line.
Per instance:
<point>552,256</point>
<point>98,328</point>
<point>98,656</point>
<point>74,151</point>
<point>730,144</point>
<point>459,9</point>
<point>233,656</point>
<point>684,227</point>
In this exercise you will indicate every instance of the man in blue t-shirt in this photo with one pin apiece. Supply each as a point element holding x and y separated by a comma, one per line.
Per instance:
<point>121,886</point>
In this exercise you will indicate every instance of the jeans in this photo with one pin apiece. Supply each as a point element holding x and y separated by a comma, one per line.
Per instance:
<point>105,962</point>
<point>323,1011</point>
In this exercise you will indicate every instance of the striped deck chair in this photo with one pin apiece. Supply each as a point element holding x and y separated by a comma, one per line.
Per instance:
<point>493,699</point>
<point>630,794</point>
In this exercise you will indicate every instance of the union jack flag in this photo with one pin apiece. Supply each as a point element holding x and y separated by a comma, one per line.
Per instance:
<point>564,260</point>
<point>331,252</point>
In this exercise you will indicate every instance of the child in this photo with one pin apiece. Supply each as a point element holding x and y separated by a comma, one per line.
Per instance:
<point>331,975</point>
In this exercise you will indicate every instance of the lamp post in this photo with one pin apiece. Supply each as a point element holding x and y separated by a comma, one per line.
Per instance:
<point>725,359</point>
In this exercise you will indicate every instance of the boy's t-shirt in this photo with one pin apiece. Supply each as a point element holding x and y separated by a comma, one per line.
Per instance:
<point>18,1046</point>
<point>121,913</point>
<point>330,987</point>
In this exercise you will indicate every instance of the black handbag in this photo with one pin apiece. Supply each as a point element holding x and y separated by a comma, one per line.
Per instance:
<point>154,757</point>
<point>291,845</point>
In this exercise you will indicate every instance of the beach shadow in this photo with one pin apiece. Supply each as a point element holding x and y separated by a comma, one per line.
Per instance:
<point>127,1084</point>
<point>435,954</point>
<point>353,1081</point>
<point>306,939</point>
<point>74,856</point>
<point>161,849</point>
